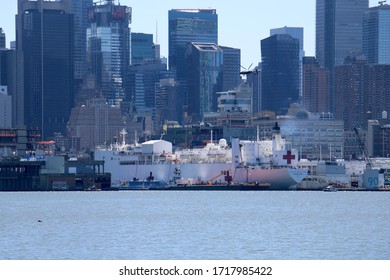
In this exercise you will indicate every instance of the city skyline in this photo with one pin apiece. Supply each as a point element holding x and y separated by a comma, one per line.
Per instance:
<point>253,20</point>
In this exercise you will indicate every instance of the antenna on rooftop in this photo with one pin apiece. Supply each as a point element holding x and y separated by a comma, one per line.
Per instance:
<point>382,2</point>
<point>156,32</point>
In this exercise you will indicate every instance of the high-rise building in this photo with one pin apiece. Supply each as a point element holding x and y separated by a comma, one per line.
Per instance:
<point>297,33</point>
<point>3,67</point>
<point>338,32</point>
<point>315,86</point>
<point>351,88</point>
<point>141,48</point>
<point>376,34</point>
<point>187,26</point>
<point>8,73</point>
<point>45,64</point>
<point>231,68</point>
<point>254,79</point>
<point>157,53</point>
<point>80,12</point>
<point>2,39</point>
<point>362,91</point>
<point>280,72</point>
<point>205,66</point>
<point>5,108</point>
<point>166,99</point>
<point>108,48</point>
<point>142,82</point>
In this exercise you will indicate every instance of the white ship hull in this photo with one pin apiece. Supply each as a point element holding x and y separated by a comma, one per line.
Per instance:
<point>278,178</point>
<point>262,162</point>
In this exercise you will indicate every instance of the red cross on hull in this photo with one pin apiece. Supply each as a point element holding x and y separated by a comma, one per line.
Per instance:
<point>289,157</point>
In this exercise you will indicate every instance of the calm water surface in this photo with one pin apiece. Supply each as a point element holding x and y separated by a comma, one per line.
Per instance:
<point>195,225</point>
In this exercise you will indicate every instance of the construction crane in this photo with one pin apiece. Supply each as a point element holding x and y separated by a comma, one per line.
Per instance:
<point>364,150</point>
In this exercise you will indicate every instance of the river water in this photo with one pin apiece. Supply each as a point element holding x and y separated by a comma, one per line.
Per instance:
<point>148,225</point>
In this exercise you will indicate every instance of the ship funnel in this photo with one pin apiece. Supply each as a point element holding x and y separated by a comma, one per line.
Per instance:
<point>276,138</point>
<point>236,151</point>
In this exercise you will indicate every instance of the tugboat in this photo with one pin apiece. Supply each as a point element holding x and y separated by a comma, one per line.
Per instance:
<point>137,184</point>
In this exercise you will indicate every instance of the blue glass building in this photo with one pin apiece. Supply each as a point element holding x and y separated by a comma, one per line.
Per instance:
<point>80,11</point>
<point>141,48</point>
<point>231,68</point>
<point>187,26</point>
<point>205,68</point>
<point>45,46</point>
<point>297,33</point>
<point>108,48</point>
<point>280,72</point>
<point>376,34</point>
<point>142,85</point>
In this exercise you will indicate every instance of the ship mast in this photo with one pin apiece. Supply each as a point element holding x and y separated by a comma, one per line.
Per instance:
<point>123,134</point>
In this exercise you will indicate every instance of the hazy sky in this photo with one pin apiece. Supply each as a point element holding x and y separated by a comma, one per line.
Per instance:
<point>241,24</point>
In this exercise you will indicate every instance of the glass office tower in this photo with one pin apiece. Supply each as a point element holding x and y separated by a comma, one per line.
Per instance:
<point>231,68</point>
<point>108,48</point>
<point>185,27</point>
<point>141,48</point>
<point>297,33</point>
<point>205,66</point>
<point>376,34</point>
<point>45,45</point>
<point>280,72</point>
<point>80,12</point>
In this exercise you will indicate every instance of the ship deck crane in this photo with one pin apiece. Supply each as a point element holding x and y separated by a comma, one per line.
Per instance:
<point>363,149</point>
<point>228,177</point>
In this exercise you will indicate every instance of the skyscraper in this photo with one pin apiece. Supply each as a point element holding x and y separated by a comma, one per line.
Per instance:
<point>297,33</point>
<point>376,34</point>
<point>8,70</point>
<point>280,72</point>
<point>254,79</point>
<point>205,62</point>
<point>141,48</point>
<point>80,11</point>
<point>142,82</point>
<point>5,108</point>
<point>45,53</point>
<point>165,101</point>
<point>2,39</point>
<point>187,26</point>
<point>362,91</point>
<point>8,73</point>
<point>315,86</point>
<point>231,68</point>
<point>338,32</point>
<point>108,48</point>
